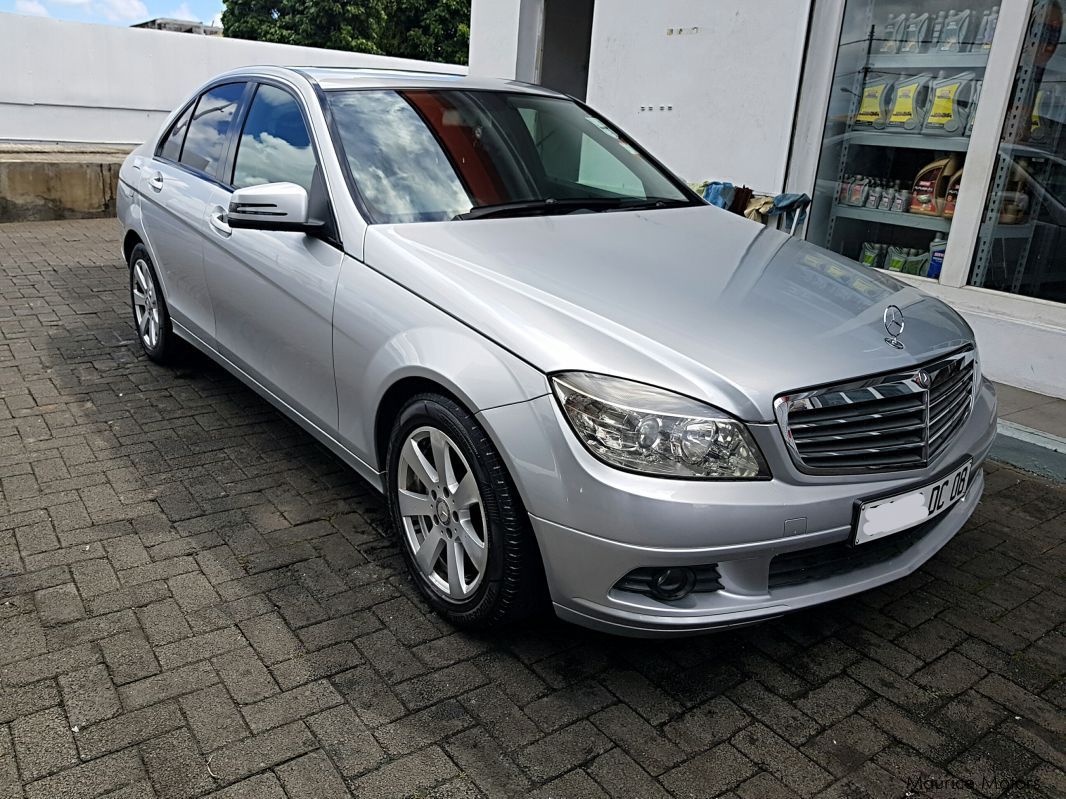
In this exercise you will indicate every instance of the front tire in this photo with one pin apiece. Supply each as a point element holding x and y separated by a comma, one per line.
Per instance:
<point>151,318</point>
<point>463,530</point>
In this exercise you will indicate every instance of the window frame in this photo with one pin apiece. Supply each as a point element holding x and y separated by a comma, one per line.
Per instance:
<point>231,163</point>
<point>353,184</point>
<point>227,146</point>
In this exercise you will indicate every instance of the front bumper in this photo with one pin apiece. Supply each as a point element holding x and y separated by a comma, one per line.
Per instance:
<point>594,524</point>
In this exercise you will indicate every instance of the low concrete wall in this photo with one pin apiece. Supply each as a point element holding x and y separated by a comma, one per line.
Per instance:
<point>38,183</point>
<point>75,82</point>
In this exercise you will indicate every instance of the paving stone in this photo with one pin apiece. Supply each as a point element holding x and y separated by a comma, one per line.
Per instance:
<point>480,758</point>
<point>246,757</point>
<point>261,786</point>
<point>44,743</point>
<point>94,577</point>
<point>89,696</point>
<point>423,728</point>
<point>129,657</point>
<point>709,774</point>
<point>92,779</point>
<point>409,776</point>
<point>244,674</point>
<point>164,622</point>
<point>312,775</point>
<point>213,717</point>
<point>291,705</point>
<point>59,605</point>
<point>566,706</point>
<point>127,729</point>
<point>346,740</point>
<point>200,647</point>
<point>562,751</point>
<point>316,665</point>
<point>175,766</point>
<point>271,638</point>
<point>167,685</point>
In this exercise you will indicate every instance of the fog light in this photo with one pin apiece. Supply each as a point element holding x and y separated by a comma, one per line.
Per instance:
<point>674,583</point>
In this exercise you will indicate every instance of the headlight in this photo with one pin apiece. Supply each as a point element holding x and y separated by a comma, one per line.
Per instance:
<point>645,429</point>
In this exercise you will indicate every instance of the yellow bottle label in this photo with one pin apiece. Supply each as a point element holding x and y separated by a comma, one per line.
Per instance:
<point>903,108</point>
<point>1038,106</point>
<point>943,110</point>
<point>870,107</point>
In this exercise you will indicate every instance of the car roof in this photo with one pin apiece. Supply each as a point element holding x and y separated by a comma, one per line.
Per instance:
<point>332,78</point>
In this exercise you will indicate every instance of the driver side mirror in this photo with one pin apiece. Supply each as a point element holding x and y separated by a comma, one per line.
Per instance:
<point>272,206</point>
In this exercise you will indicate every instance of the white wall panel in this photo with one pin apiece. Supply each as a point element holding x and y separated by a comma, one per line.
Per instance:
<point>731,75</point>
<point>74,82</point>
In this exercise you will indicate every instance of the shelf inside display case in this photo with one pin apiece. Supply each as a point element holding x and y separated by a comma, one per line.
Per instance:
<point>914,141</point>
<point>933,60</point>
<point>918,221</point>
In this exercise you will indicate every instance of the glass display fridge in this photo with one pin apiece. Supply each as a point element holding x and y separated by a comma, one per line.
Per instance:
<point>906,85</point>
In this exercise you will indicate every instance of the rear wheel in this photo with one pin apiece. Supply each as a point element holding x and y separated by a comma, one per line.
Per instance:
<point>150,316</point>
<point>463,530</point>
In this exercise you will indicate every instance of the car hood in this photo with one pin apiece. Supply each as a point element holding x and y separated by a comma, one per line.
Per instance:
<point>695,300</point>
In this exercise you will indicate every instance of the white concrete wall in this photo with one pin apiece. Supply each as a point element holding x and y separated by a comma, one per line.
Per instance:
<point>73,82</point>
<point>732,77</point>
<point>507,33</point>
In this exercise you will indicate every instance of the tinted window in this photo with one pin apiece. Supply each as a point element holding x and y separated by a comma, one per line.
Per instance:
<point>422,155</point>
<point>275,145</point>
<point>209,126</point>
<point>172,144</point>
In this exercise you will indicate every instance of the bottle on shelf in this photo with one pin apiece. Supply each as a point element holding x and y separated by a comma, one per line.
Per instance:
<point>937,248</point>
<point>874,197</point>
<point>990,29</point>
<point>860,187</point>
<point>953,37</point>
<point>937,32</point>
<point>915,33</point>
<point>887,196</point>
<point>844,188</point>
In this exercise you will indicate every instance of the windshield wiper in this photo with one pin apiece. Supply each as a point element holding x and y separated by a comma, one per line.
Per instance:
<point>549,205</point>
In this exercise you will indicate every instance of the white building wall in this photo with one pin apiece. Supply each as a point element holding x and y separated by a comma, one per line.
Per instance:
<point>731,76</point>
<point>74,82</point>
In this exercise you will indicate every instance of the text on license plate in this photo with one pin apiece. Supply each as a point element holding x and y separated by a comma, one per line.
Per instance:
<point>891,515</point>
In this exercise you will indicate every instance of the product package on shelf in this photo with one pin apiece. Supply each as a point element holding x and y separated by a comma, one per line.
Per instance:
<point>952,103</point>
<point>875,102</point>
<point>931,186</point>
<point>909,108</point>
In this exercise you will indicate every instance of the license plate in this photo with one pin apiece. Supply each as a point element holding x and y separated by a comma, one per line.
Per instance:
<point>883,517</point>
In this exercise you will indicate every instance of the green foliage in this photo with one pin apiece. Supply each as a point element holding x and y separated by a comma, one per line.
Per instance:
<point>431,30</point>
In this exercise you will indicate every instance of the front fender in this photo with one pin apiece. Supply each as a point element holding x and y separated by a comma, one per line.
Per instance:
<point>384,334</point>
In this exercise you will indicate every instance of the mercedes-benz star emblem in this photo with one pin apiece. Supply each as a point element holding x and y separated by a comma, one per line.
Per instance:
<point>894,324</point>
<point>922,379</point>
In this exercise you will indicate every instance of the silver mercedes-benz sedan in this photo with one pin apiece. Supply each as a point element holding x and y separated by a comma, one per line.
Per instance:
<point>572,378</point>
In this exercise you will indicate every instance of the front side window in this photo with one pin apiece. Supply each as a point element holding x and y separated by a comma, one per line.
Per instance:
<point>209,127</point>
<point>275,145</point>
<point>171,147</point>
<point>432,155</point>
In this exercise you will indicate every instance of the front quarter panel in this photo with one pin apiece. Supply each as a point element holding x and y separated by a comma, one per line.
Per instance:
<point>384,333</point>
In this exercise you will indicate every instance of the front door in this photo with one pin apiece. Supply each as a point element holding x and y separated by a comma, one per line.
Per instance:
<point>273,292</point>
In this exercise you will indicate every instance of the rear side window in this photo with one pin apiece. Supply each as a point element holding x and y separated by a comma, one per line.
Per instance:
<point>209,127</point>
<point>275,146</point>
<point>171,148</point>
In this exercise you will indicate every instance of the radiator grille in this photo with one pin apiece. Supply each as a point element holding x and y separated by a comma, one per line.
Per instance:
<point>897,421</point>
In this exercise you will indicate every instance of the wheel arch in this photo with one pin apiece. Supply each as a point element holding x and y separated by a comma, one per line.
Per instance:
<point>129,241</point>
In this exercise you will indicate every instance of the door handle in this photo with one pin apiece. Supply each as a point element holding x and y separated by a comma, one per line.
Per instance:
<point>217,218</point>
<point>155,180</point>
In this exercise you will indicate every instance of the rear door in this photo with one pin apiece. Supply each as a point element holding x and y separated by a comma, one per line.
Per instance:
<point>177,186</point>
<point>273,291</point>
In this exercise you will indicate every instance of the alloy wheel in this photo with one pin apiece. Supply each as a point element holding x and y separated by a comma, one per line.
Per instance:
<point>145,304</point>
<point>443,514</point>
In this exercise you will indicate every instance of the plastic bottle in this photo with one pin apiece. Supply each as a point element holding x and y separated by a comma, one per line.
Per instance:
<point>953,36</point>
<point>990,29</point>
<point>887,196</point>
<point>915,33</point>
<point>844,189</point>
<point>979,37</point>
<point>938,30</point>
<point>874,197</point>
<point>901,203</point>
<point>936,256</point>
<point>859,189</point>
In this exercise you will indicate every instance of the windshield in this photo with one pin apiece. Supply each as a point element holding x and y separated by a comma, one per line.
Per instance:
<point>431,155</point>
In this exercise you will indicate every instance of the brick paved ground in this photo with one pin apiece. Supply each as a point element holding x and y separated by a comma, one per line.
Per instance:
<point>195,598</point>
